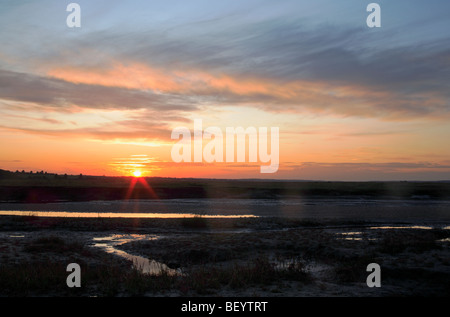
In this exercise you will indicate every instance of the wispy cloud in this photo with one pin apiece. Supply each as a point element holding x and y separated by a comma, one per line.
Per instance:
<point>58,94</point>
<point>275,66</point>
<point>369,171</point>
<point>333,86</point>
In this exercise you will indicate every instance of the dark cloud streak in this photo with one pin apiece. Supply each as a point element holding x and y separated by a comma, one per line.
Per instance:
<point>59,94</point>
<point>397,83</point>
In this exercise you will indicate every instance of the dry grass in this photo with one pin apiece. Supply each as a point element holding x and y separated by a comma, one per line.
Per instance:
<point>281,262</point>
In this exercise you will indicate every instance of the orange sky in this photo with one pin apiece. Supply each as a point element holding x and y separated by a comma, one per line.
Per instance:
<point>350,103</point>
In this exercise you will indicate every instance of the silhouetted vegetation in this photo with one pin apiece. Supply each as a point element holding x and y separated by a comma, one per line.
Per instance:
<point>46,187</point>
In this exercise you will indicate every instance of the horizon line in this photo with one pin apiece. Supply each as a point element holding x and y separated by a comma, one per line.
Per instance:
<point>237,179</point>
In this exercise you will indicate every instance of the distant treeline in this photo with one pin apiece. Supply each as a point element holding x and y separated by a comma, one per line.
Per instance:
<point>42,187</point>
<point>30,174</point>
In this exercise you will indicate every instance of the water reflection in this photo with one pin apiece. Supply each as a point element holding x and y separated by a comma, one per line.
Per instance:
<point>350,235</point>
<point>403,227</point>
<point>358,235</point>
<point>112,214</point>
<point>144,265</point>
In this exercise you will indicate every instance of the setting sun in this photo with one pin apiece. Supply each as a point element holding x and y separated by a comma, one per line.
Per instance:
<point>137,173</point>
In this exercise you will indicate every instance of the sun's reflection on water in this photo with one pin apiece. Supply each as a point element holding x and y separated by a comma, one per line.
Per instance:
<point>65,214</point>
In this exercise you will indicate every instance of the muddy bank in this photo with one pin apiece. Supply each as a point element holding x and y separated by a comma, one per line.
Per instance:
<point>414,261</point>
<point>234,257</point>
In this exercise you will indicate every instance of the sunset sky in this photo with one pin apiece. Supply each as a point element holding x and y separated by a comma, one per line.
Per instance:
<point>351,102</point>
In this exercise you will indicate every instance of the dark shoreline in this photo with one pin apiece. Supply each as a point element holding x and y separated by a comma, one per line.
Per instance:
<point>44,189</point>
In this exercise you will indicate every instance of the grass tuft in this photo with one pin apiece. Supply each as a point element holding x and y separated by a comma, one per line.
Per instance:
<point>196,222</point>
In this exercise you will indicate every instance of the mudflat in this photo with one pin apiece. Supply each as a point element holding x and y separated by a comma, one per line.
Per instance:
<point>262,256</point>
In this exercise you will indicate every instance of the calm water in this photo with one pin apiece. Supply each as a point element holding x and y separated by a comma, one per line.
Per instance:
<point>412,211</point>
<point>147,266</point>
<point>354,209</point>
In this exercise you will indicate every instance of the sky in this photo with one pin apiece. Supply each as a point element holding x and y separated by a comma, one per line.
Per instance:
<point>350,102</point>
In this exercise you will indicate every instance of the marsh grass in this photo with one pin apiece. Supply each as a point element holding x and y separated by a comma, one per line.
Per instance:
<point>112,279</point>
<point>256,272</point>
<point>409,241</point>
<point>31,279</point>
<point>196,222</point>
<point>54,244</point>
<point>353,269</point>
<point>36,279</point>
<point>217,263</point>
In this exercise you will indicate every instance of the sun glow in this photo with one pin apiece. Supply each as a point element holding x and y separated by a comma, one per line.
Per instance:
<point>137,173</point>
